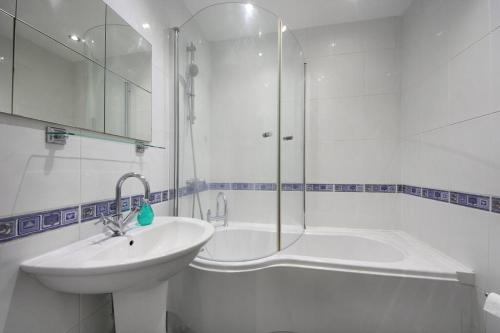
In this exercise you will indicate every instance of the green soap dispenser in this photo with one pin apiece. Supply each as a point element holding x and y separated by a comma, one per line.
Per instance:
<point>146,214</point>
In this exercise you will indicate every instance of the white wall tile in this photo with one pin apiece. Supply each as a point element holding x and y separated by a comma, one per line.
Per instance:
<point>353,161</point>
<point>495,14</point>
<point>381,72</point>
<point>25,304</point>
<point>353,210</point>
<point>337,76</point>
<point>469,21</point>
<point>470,82</point>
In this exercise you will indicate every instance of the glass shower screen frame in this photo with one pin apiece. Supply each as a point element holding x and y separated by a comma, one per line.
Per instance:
<point>245,66</point>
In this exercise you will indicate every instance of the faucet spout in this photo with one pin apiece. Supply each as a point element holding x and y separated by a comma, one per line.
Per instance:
<point>118,198</point>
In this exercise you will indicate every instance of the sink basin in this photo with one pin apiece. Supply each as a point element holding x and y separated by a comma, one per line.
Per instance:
<point>134,267</point>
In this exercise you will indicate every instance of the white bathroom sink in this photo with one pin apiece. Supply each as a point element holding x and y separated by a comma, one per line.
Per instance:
<point>143,256</point>
<point>134,267</point>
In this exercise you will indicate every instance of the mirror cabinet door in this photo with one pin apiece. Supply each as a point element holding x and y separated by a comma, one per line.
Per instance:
<point>128,80</point>
<point>78,24</point>
<point>56,84</point>
<point>60,55</point>
<point>6,45</point>
<point>128,54</point>
<point>128,108</point>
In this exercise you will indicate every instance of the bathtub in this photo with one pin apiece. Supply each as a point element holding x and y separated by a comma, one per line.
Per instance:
<point>329,280</point>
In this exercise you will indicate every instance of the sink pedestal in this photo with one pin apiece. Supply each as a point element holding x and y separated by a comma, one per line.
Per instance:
<point>141,310</point>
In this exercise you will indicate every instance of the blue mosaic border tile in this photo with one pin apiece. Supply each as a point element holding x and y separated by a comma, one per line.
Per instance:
<point>292,187</point>
<point>412,190</point>
<point>470,200</point>
<point>495,205</point>
<point>27,224</point>
<point>319,187</point>
<point>349,187</point>
<point>433,194</point>
<point>381,188</point>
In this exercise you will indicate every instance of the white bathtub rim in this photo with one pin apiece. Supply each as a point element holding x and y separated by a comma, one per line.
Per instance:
<point>449,269</point>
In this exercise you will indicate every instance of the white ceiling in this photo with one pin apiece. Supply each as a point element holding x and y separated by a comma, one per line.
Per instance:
<point>300,14</point>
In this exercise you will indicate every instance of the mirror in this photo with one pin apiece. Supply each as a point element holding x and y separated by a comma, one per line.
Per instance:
<point>128,54</point>
<point>128,80</point>
<point>56,84</point>
<point>128,108</point>
<point>78,24</point>
<point>77,63</point>
<point>6,44</point>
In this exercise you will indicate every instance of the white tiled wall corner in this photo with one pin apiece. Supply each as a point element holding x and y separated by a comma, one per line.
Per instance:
<point>449,131</point>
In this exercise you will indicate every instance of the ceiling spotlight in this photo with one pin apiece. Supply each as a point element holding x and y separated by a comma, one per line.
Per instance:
<point>249,8</point>
<point>260,54</point>
<point>146,25</point>
<point>74,38</point>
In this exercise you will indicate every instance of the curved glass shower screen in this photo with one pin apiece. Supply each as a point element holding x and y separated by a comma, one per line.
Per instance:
<point>229,129</point>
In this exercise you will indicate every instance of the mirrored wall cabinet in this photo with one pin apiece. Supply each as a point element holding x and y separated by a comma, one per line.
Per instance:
<point>75,63</point>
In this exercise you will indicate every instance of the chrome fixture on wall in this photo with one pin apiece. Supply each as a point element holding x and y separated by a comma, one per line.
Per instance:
<point>218,215</point>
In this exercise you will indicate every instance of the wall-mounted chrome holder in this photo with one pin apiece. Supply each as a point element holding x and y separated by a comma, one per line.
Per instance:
<point>140,147</point>
<point>55,135</point>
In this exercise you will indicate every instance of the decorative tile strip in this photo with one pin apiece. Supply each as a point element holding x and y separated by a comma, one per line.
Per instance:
<point>349,187</point>
<point>155,197</point>
<point>470,200</point>
<point>292,187</point>
<point>401,188</point>
<point>413,190</point>
<point>439,195</point>
<point>136,201</point>
<point>220,186</point>
<point>265,187</point>
<point>319,187</point>
<point>7,229</point>
<point>380,188</point>
<point>495,205</point>
<point>164,195</point>
<point>242,186</point>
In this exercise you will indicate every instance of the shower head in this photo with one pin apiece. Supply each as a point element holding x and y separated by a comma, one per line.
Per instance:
<point>193,70</point>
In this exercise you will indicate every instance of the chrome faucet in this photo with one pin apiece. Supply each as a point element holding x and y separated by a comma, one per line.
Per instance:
<point>116,223</point>
<point>218,216</point>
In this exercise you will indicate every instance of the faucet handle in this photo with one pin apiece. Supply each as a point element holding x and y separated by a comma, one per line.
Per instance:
<point>105,220</point>
<point>109,224</point>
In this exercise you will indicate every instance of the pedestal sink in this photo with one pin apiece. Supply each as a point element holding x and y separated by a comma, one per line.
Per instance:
<point>134,267</point>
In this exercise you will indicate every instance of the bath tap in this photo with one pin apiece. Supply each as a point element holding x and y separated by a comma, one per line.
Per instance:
<point>218,216</point>
<point>115,222</point>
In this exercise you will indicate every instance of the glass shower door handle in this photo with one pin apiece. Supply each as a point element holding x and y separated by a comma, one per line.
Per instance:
<point>288,138</point>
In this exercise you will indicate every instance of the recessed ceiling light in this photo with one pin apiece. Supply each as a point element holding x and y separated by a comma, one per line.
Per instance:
<point>146,25</point>
<point>249,7</point>
<point>260,54</point>
<point>74,38</point>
